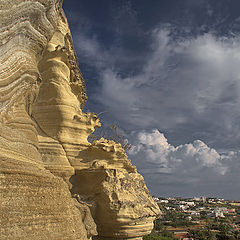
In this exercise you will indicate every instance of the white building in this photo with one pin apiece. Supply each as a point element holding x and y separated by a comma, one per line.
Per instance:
<point>191,204</point>
<point>163,201</point>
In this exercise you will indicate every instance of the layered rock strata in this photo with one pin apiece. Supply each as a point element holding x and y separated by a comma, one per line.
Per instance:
<point>44,148</point>
<point>34,203</point>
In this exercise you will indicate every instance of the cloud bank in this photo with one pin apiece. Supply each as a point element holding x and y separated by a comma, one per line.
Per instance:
<point>194,167</point>
<point>152,147</point>
<point>185,85</point>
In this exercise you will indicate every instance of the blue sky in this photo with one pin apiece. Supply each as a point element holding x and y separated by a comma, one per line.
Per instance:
<point>167,72</point>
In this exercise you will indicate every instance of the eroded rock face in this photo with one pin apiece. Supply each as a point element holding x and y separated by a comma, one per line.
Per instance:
<point>34,203</point>
<point>122,206</point>
<point>62,126</point>
<point>44,140</point>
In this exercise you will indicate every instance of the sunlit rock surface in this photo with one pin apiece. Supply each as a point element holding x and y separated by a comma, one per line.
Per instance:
<point>34,203</point>
<point>44,150</point>
<point>121,204</point>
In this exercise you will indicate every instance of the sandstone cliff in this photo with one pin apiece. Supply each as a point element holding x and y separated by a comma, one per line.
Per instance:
<point>54,184</point>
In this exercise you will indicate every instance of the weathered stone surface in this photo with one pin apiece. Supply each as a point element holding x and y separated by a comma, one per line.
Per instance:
<point>25,28</point>
<point>34,203</point>
<point>87,219</point>
<point>122,206</point>
<point>62,125</point>
<point>44,140</point>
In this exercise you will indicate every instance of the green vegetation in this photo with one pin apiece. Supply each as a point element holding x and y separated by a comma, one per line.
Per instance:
<point>209,220</point>
<point>173,217</point>
<point>202,234</point>
<point>215,231</point>
<point>160,236</point>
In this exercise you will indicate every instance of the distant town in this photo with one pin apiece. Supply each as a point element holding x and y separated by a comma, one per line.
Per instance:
<point>197,218</point>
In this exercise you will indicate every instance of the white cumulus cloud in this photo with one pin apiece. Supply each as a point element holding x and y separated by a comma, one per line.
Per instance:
<point>152,147</point>
<point>192,168</point>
